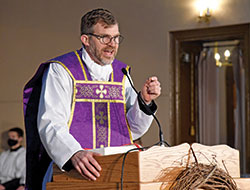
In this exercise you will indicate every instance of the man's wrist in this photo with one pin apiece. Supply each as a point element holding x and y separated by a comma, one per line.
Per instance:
<point>143,99</point>
<point>148,109</point>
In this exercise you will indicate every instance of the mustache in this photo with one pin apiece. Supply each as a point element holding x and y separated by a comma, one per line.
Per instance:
<point>109,49</point>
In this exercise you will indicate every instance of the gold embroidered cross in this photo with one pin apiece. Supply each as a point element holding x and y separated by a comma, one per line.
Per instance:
<point>101,91</point>
<point>101,117</point>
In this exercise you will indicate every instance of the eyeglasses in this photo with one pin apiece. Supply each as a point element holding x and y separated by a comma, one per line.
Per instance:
<point>106,39</point>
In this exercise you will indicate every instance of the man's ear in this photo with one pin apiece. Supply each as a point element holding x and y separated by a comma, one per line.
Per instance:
<point>85,40</point>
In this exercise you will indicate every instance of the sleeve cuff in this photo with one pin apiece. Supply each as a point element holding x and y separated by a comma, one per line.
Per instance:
<point>68,166</point>
<point>147,109</point>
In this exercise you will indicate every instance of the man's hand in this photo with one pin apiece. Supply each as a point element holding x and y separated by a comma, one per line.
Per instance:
<point>86,165</point>
<point>151,89</point>
<point>2,187</point>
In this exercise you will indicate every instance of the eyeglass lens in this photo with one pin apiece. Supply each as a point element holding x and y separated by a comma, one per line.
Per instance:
<point>108,39</point>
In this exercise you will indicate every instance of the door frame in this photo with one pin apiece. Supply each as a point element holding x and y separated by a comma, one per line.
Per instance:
<point>233,32</point>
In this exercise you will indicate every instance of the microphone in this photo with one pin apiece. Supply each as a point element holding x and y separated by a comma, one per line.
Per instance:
<point>161,142</point>
<point>126,73</point>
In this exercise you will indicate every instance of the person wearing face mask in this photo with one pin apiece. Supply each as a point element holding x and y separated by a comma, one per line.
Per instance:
<point>82,100</point>
<point>12,162</point>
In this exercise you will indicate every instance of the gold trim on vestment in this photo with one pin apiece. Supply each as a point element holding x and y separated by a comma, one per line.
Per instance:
<point>74,91</point>
<point>66,68</point>
<point>100,100</point>
<point>109,125</point>
<point>124,77</point>
<point>125,109</point>
<point>98,82</point>
<point>93,123</point>
<point>112,74</point>
<point>73,104</point>
<point>81,63</point>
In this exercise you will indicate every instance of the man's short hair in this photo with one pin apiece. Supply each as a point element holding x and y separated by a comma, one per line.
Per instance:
<point>93,17</point>
<point>18,130</point>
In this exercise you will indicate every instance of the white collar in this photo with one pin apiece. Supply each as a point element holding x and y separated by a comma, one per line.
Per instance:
<point>97,72</point>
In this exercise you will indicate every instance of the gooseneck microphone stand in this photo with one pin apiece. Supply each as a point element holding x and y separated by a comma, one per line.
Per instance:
<point>161,138</point>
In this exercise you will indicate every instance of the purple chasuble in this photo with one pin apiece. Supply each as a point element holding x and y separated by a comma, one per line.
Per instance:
<point>98,115</point>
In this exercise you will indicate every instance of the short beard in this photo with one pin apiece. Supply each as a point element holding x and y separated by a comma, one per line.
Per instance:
<point>97,57</point>
<point>106,62</point>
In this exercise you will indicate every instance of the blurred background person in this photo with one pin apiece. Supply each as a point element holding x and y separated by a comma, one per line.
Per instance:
<point>12,162</point>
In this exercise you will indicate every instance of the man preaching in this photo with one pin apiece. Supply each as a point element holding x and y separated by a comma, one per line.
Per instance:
<point>82,100</point>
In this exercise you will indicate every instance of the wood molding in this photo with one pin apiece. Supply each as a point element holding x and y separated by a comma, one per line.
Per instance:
<point>177,39</point>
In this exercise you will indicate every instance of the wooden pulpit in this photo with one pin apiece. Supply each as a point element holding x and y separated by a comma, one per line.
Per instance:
<point>151,169</point>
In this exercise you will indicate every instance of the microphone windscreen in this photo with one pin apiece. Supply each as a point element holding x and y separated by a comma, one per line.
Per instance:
<point>124,71</point>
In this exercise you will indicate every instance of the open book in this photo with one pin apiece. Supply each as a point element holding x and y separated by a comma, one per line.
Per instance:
<point>113,149</point>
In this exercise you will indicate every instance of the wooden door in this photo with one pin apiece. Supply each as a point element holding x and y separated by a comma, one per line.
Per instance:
<point>184,100</point>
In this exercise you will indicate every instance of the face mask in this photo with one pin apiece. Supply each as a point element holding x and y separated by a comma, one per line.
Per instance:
<point>12,142</point>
